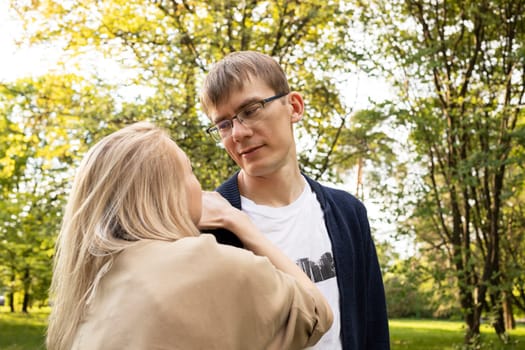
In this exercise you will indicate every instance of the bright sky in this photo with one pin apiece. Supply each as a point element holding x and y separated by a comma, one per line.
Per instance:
<point>18,61</point>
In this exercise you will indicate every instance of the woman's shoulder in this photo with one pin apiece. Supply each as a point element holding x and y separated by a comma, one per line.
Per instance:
<point>153,259</point>
<point>204,245</point>
<point>193,268</point>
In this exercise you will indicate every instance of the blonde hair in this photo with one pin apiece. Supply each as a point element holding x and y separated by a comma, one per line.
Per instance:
<point>128,188</point>
<point>229,75</point>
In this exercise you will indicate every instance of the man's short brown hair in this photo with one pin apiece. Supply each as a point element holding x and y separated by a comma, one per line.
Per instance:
<point>229,75</point>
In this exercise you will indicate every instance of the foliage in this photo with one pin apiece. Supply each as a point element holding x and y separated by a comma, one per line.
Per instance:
<point>418,288</point>
<point>404,299</point>
<point>459,68</point>
<point>163,48</point>
<point>449,151</point>
<point>47,125</point>
<point>169,45</point>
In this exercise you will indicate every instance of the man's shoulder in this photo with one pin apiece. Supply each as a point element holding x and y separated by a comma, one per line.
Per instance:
<point>229,189</point>
<point>336,195</point>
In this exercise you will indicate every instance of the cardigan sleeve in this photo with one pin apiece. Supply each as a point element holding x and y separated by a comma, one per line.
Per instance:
<point>377,335</point>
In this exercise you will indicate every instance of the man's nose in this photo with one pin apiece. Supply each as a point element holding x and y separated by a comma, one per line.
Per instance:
<point>240,130</point>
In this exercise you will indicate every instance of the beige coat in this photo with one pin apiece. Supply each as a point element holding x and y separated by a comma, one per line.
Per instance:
<point>197,294</point>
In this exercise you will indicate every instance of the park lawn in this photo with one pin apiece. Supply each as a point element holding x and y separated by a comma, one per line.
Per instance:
<point>19,331</point>
<point>409,334</point>
<point>26,332</point>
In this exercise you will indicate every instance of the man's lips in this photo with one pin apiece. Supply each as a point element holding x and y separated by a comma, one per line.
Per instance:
<point>248,150</point>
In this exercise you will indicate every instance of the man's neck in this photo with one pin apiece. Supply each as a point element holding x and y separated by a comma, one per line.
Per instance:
<point>275,190</point>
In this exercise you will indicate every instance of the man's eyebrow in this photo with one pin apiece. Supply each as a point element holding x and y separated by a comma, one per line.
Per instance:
<point>248,101</point>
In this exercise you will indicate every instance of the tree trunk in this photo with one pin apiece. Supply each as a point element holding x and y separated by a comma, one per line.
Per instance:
<point>473,321</point>
<point>27,283</point>
<point>11,297</point>
<point>359,188</point>
<point>508,313</point>
<point>469,303</point>
<point>499,323</point>
<point>11,294</point>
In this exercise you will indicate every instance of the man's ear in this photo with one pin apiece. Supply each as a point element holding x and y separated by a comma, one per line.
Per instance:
<point>296,101</point>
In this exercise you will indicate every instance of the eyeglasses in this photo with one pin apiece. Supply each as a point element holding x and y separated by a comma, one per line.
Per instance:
<point>248,116</point>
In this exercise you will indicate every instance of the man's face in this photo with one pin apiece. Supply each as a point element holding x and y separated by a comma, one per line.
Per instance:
<point>266,147</point>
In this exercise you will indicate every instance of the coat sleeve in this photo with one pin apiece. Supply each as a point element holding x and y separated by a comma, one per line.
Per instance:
<point>377,335</point>
<point>293,317</point>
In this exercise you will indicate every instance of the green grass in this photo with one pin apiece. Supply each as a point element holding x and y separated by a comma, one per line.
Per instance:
<point>447,335</point>
<point>19,331</point>
<point>26,332</point>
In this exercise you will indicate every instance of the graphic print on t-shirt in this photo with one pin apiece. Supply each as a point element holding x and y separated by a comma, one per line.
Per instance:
<point>318,271</point>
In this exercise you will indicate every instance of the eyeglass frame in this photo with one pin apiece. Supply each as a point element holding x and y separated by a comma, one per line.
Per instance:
<point>215,130</point>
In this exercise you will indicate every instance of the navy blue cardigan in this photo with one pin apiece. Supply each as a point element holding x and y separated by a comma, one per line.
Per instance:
<point>364,322</point>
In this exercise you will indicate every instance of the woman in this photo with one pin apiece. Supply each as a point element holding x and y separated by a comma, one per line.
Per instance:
<point>132,270</point>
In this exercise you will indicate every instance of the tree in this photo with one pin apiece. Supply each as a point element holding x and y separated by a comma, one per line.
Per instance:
<point>46,124</point>
<point>513,250</point>
<point>170,44</point>
<point>460,72</point>
<point>165,47</point>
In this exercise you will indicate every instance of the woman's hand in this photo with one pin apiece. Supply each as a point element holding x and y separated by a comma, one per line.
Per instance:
<point>217,212</point>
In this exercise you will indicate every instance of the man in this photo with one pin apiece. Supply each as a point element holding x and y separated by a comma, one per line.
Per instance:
<point>326,231</point>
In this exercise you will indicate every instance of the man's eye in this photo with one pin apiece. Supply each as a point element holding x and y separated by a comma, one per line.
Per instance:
<point>250,111</point>
<point>225,124</point>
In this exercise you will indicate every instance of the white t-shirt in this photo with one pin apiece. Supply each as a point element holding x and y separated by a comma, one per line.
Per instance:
<point>299,231</point>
